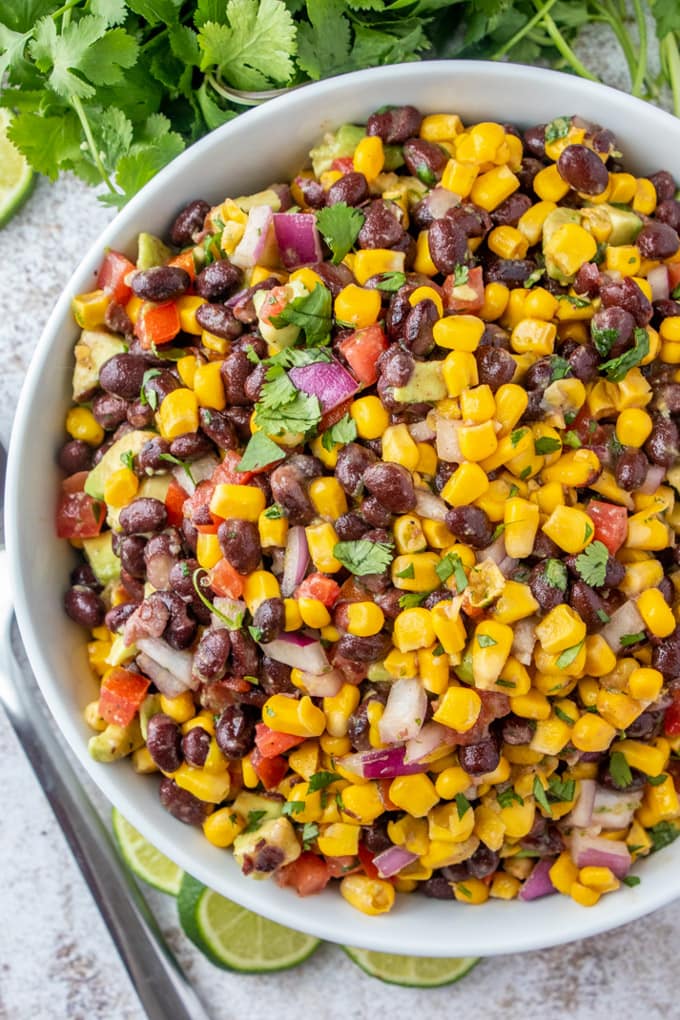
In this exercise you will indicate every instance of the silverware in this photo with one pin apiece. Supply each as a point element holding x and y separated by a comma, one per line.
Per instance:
<point>163,989</point>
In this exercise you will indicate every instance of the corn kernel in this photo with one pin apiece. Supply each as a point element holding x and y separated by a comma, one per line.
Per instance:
<point>178,414</point>
<point>623,259</point>
<point>369,157</point>
<point>507,242</point>
<point>521,520</point>
<point>370,417</point>
<point>645,684</point>
<point>369,895</point>
<point>460,372</point>
<point>223,826</point>
<point>492,188</point>
<point>371,261</point>
<point>413,629</point>
<point>467,483</point>
<point>591,733</point>
<point>459,709</point>
<point>314,613</point>
<point>208,386</point>
<point>563,873</point>
<point>571,529</point>
<point>328,497</point>
<point>583,895</point>
<point>560,629</point>
<point>600,659</point>
<point>477,442</point>
<point>208,551</point>
<point>504,887</point>
<point>477,404</point>
<point>459,332</point>
<point>532,705</point>
<point>357,305</point>
<point>398,447</point>
<point>423,261</point>
<point>644,199</point>
<point>82,424</point>
<point>242,502</point>
<point>415,794</point>
<point>656,613</point>
<point>121,487</point>
<point>440,127</point>
<point>364,619</point>
<point>363,803</point>
<point>212,789</point>
<point>496,296</point>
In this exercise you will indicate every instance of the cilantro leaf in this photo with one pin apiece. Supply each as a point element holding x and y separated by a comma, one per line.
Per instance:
<point>506,798</point>
<point>301,414</point>
<point>592,564</point>
<point>486,641</point>
<point>631,880</point>
<point>547,444</point>
<point>61,53</point>
<point>462,804</point>
<point>561,714</point>
<point>343,432</point>
<point>310,830</point>
<point>557,128</point>
<point>559,368</point>
<point>533,278</point>
<point>555,573</point>
<point>603,338</point>
<point>340,225</point>
<point>663,834</point>
<point>312,312</point>
<point>324,44</point>
<point>254,48</point>
<point>253,820</point>
<point>47,142</point>
<point>274,512</point>
<point>541,796</point>
<point>413,598</point>
<point>561,790</point>
<point>569,655</point>
<point>452,564</point>
<point>320,780</point>
<point>461,274</point>
<point>632,639</point>
<point>156,12</point>
<point>260,452</point>
<point>617,369</point>
<point>363,557</point>
<point>180,463</point>
<point>293,807</point>
<point>391,282</point>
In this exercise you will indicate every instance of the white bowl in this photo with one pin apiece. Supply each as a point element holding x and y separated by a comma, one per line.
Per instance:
<point>263,145</point>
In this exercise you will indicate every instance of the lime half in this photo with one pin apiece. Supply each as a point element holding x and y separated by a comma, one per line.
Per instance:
<point>411,971</point>
<point>16,176</point>
<point>143,859</point>
<point>239,940</point>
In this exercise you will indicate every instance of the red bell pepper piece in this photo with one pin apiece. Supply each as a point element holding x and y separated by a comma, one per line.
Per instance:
<point>671,720</point>
<point>270,743</point>
<point>308,875</point>
<point>610,523</point>
<point>464,297</point>
<point>270,771</point>
<point>366,858</point>
<point>175,499</point>
<point>318,586</point>
<point>122,692</point>
<point>343,164</point>
<point>225,581</point>
<point>112,273</point>
<point>185,261</point>
<point>157,324</point>
<point>361,351</point>
<point>227,473</point>
<point>79,515</point>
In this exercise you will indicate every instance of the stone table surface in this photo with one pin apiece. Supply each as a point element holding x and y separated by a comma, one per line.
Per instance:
<point>57,961</point>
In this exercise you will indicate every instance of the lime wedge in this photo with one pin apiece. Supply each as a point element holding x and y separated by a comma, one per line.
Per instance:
<point>190,892</point>
<point>237,939</point>
<point>411,971</point>
<point>16,176</point>
<point>143,859</point>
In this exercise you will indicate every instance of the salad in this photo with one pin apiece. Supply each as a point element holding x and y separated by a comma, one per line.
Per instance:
<point>374,477</point>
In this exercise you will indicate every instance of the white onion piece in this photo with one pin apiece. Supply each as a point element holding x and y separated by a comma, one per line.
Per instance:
<point>325,685</point>
<point>166,682</point>
<point>177,662</point>
<point>653,479</point>
<point>440,200</point>
<point>448,447</point>
<point>614,809</point>
<point>296,560</point>
<point>626,620</point>
<point>258,244</point>
<point>421,431</point>
<point>404,712</point>
<point>231,613</point>
<point>596,851</point>
<point>432,736</point>
<point>430,506</point>
<point>658,281</point>
<point>299,652</point>
<point>525,639</point>
<point>581,813</point>
<point>495,551</point>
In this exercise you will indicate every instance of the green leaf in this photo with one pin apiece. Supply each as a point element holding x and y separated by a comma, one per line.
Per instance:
<point>310,831</point>
<point>561,790</point>
<point>114,12</point>
<point>340,225</point>
<point>414,598</point>
<point>657,780</point>
<point>561,714</point>
<point>557,128</point>
<point>452,564</point>
<point>312,312</point>
<point>462,804</point>
<point>66,52</point>
<point>324,43</point>
<point>363,557</point>
<point>343,432</point>
<point>559,368</point>
<point>184,44</point>
<point>320,780</point>
<point>293,807</point>
<point>541,796</point>
<point>12,47</point>
<point>214,115</point>
<point>260,452</point>
<point>274,512</point>
<point>140,165</point>
<point>253,820</point>
<point>555,573</point>
<point>486,641</point>
<point>391,282</point>
<point>461,275</point>
<point>603,338</point>
<point>533,278</point>
<point>113,134</point>
<point>46,142</point>
<point>506,798</point>
<point>592,564</point>
<point>568,656</point>
<point>254,48</point>
<point>547,444</point>
<point>302,414</point>
<point>21,15</point>
<point>108,57</point>
<point>156,12</point>
<point>631,880</point>
<point>663,834</point>
<point>632,639</point>
<point>617,368</point>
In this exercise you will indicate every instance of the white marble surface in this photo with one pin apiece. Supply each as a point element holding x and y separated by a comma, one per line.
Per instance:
<point>56,959</point>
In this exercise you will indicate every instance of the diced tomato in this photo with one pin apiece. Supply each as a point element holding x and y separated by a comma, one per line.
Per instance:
<point>227,472</point>
<point>225,581</point>
<point>270,771</point>
<point>175,498</point>
<point>673,274</point>
<point>587,428</point>
<point>185,261</point>
<point>343,164</point>
<point>270,743</point>
<point>318,586</point>
<point>366,858</point>
<point>79,515</point>
<point>111,279</point>
<point>122,692</point>
<point>308,875</point>
<point>157,324</point>
<point>275,301</point>
<point>361,351</point>
<point>610,522</point>
<point>671,720</point>
<point>340,866</point>
<point>75,483</point>
<point>464,297</point>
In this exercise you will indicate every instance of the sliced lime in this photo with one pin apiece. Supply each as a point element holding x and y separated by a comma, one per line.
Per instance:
<point>239,940</point>
<point>190,893</point>
<point>16,176</point>
<point>411,971</point>
<point>143,859</point>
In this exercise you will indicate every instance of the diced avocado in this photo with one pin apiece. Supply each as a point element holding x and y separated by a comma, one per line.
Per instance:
<point>256,808</point>
<point>116,742</point>
<point>626,225</point>
<point>151,251</point>
<point>426,384</point>
<point>277,834</point>
<point>101,557</point>
<point>154,487</point>
<point>336,146</point>
<point>120,653</point>
<point>113,460</point>
<point>268,197</point>
<point>377,673</point>
<point>92,350</point>
<point>150,706</point>
<point>553,221</point>
<point>673,476</point>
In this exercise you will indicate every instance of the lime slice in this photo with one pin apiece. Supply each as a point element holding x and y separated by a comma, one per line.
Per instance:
<point>190,892</point>
<point>143,859</point>
<point>16,176</point>
<point>411,971</point>
<point>239,940</point>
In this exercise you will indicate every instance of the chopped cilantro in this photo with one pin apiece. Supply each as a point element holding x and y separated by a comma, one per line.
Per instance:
<point>568,656</point>
<point>588,532</point>
<point>391,282</point>
<point>274,512</point>
<point>516,436</point>
<point>525,472</point>
<point>462,804</point>
<point>514,491</point>
<point>255,633</point>
<point>310,831</point>
<point>128,460</point>
<point>363,557</point>
<point>344,431</point>
<point>150,398</point>
<point>497,531</point>
<point>619,770</point>
<point>260,452</point>
<point>571,439</point>
<point>546,444</point>
<point>510,684</point>
<point>541,796</point>
<point>340,225</point>
<point>311,312</point>
<point>631,880</point>
<point>408,572</point>
<point>617,369</point>
<point>603,338</point>
<point>180,463</point>
<point>663,834</point>
<point>559,368</point>
<point>632,639</point>
<point>320,780</point>
<point>675,293</point>
<point>452,564</point>
<point>561,714</point>
<point>414,598</point>
<point>506,798</point>
<point>555,574</point>
<point>464,889</point>
<point>557,128</point>
<point>561,790</point>
<point>253,820</point>
<point>461,275</point>
<point>574,301</point>
<point>533,278</point>
<point>603,616</point>
<point>657,780</point>
<point>486,641</point>
<point>300,414</point>
<point>293,807</point>
<point>592,564</point>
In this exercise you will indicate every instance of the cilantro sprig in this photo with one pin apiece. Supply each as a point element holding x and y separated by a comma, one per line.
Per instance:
<point>363,557</point>
<point>340,225</point>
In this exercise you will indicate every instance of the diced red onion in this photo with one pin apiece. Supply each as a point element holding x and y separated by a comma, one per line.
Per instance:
<point>232,610</point>
<point>614,809</point>
<point>581,814</point>
<point>495,551</point>
<point>391,861</point>
<point>258,244</point>
<point>404,712</point>
<point>175,661</point>
<point>626,620</point>
<point>165,681</point>
<point>432,736</point>
<point>299,652</point>
<point>158,569</point>
<point>653,479</point>
<point>325,685</point>
<point>421,431</point>
<point>235,298</point>
<point>327,380</point>
<point>524,640</point>
<point>598,852</point>
<point>448,447</point>
<point>658,281</point>
<point>298,239</point>
<point>430,506</point>
<point>383,763</point>
<point>296,560</point>
<point>538,883</point>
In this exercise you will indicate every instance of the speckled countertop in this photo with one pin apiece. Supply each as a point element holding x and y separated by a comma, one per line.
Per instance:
<point>57,961</point>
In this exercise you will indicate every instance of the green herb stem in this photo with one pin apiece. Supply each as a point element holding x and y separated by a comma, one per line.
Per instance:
<point>641,65</point>
<point>518,36</point>
<point>611,16</point>
<point>671,58</point>
<point>563,46</point>
<point>89,137</point>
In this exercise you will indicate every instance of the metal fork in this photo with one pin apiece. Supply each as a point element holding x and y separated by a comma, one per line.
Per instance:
<point>163,989</point>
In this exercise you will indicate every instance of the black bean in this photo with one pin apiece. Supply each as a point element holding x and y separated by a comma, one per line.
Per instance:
<point>437,887</point>
<point>218,428</point>
<point>195,746</point>
<point>544,839</point>
<point>353,462</point>
<point>666,656</point>
<point>349,527</point>
<point>395,320</point>
<point>494,366</point>
<point>150,457</point>
<point>190,446</point>
<point>84,606</point>
<point>584,361</point>
<point>212,652</point>
<point>483,862</point>
<point>396,365</point>
<point>548,583</point>
<point>289,488</point>
<point>478,759</point>
<point>133,587</point>
<point>139,415</point>
<point>275,677</point>
<point>235,370</point>
<point>425,160</point>
<point>511,272</point>
<point>182,804</point>
<point>470,525</point>
<point>219,320</point>
<point>534,140</point>
<point>117,319</point>
<point>447,243</point>
<point>235,731</point>
<point>657,240</point>
<point>189,222</point>
<point>374,837</point>
<point>418,337</point>
<point>587,603</point>
<point>351,188</point>
<point>664,185</point>
<point>122,375</point>
<point>358,728</point>
<point>335,277</point>
<point>666,588</point>
<point>626,294</point>
<point>312,192</point>
<point>270,619</point>
<point>374,513</point>
<point>615,572</point>
<point>662,445</point>
<point>612,331</point>
<point>647,726</point>
<point>75,456</point>
<point>631,469</point>
<point>604,776</point>
<point>527,171</point>
<point>109,410</point>
<point>255,382</point>
<point>143,515</point>
<point>509,211</point>
<point>668,212</point>
<point>157,387</point>
<point>132,556</point>
<point>245,659</point>
<point>240,542</point>
<point>160,283</point>
<point>667,397</point>
<point>381,227</point>
<point>515,730</point>
<point>388,601</point>
<point>392,485</point>
<point>587,279</point>
<point>116,618</point>
<point>218,280</point>
<point>163,742</point>
<point>84,575</point>
<point>364,649</point>
<point>538,375</point>
<point>583,170</point>
<point>395,124</point>
<point>181,628</point>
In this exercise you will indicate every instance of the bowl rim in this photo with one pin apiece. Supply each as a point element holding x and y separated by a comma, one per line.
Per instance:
<point>378,933</point>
